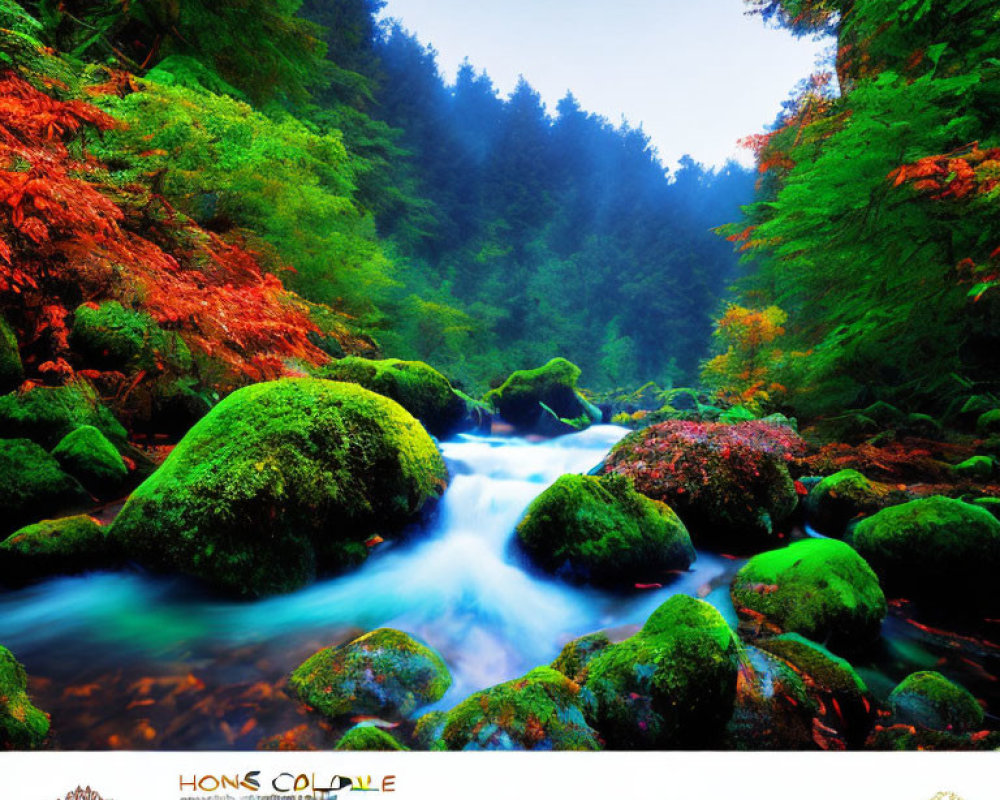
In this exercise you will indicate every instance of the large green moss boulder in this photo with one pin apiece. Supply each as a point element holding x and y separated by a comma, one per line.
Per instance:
<point>544,399</point>
<point>671,685</point>
<point>602,531</point>
<point>278,480</point>
<point>975,469</point>
<point>540,711</point>
<point>368,738</point>
<point>840,498</point>
<point>110,336</point>
<point>988,424</point>
<point>47,414</point>
<point>385,673</point>
<point>820,588</point>
<point>930,700</point>
<point>417,387</point>
<point>11,368</point>
<point>576,655</point>
<point>32,484</point>
<point>55,547</point>
<point>22,726</point>
<point>88,456</point>
<point>935,549</point>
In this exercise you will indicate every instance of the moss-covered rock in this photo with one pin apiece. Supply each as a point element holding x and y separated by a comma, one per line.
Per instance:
<point>935,548</point>
<point>109,336</point>
<point>368,738</point>
<point>429,729</point>
<point>11,368</point>
<point>47,414</point>
<point>988,423</point>
<point>417,387</point>
<point>820,588</point>
<point>32,484</point>
<point>88,456</point>
<point>976,468</point>
<point>55,547</point>
<point>577,654</point>
<point>385,672</point>
<point>930,700</point>
<point>536,399</point>
<point>602,531</point>
<point>906,738</point>
<point>671,685</point>
<point>540,711</point>
<point>22,726</point>
<point>840,498</point>
<point>281,477</point>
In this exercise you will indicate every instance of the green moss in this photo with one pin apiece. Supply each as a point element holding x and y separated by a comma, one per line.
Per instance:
<point>577,654</point>
<point>368,738</point>
<point>540,711</point>
<point>988,424</point>
<point>385,672</point>
<point>671,685</point>
<point>521,398</point>
<point>32,484</point>
<point>977,468</point>
<point>88,456</point>
<point>602,531</point>
<point>47,414</point>
<point>22,726</point>
<point>112,337</point>
<point>820,588</point>
<point>823,670</point>
<point>930,700</point>
<point>906,738</point>
<point>279,478</point>
<point>417,387</point>
<point>55,547</point>
<point>11,368</point>
<point>429,729</point>
<point>840,498</point>
<point>935,548</point>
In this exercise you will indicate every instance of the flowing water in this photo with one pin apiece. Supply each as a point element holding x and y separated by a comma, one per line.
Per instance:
<point>132,660</point>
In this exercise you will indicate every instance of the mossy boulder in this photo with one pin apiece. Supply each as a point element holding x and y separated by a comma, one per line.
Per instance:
<point>368,738</point>
<point>385,672</point>
<point>22,726</point>
<point>543,399</point>
<point>47,414</point>
<point>935,549</point>
<point>11,368</point>
<point>671,685</point>
<point>32,483</point>
<point>840,498</point>
<point>988,424</point>
<point>110,336</point>
<point>820,588</point>
<point>55,547</point>
<point>429,729</point>
<point>417,387</point>
<point>577,654</point>
<point>602,531</point>
<point>88,456</point>
<point>907,738</point>
<point>976,468</point>
<point>540,711</point>
<point>930,700</point>
<point>278,480</point>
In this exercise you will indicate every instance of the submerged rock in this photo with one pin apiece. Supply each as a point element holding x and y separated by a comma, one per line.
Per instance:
<point>88,456</point>
<point>602,531</point>
<point>840,498</point>
<point>671,685</point>
<point>937,549</point>
<point>930,700</point>
<point>417,387</point>
<point>279,479</point>
<point>368,738</point>
<point>22,726</point>
<point>55,547</point>
<point>820,588</point>
<point>545,399</point>
<point>729,483</point>
<point>32,483</point>
<point>385,673</point>
<point>540,711</point>
<point>47,414</point>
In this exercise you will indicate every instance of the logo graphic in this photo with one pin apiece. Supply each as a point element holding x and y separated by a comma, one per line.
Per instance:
<point>83,794</point>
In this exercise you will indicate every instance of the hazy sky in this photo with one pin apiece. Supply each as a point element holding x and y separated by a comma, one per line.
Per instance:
<point>697,74</point>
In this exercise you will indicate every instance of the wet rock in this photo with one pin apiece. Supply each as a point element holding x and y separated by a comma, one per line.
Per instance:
<point>47,414</point>
<point>429,729</point>
<point>55,547</point>
<point>577,654</point>
<point>544,400</point>
<point>88,456</point>
<point>22,726</point>
<point>368,738</point>
<point>840,498</point>
<point>602,531</point>
<point>929,700</point>
<point>908,738</point>
<point>976,469</point>
<point>385,673</point>
<point>32,483</point>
